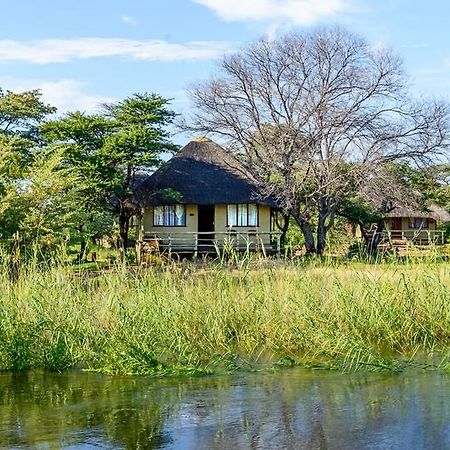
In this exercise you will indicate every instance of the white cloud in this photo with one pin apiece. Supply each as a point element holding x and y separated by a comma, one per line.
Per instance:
<point>69,95</point>
<point>129,20</point>
<point>66,95</point>
<point>64,50</point>
<point>300,12</point>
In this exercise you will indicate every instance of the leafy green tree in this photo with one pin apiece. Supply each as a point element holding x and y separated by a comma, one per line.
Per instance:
<point>433,182</point>
<point>109,150</point>
<point>42,206</point>
<point>21,113</point>
<point>80,136</point>
<point>21,164</point>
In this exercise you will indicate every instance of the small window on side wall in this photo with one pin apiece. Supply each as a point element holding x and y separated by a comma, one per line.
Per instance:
<point>169,216</point>
<point>242,215</point>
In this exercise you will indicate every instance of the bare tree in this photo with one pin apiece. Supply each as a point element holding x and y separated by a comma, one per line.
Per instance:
<point>313,115</point>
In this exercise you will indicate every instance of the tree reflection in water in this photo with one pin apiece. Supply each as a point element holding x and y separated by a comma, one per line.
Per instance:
<point>287,409</point>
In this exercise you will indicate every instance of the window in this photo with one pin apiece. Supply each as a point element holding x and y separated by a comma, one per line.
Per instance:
<point>231,215</point>
<point>418,222</point>
<point>169,216</point>
<point>242,215</point>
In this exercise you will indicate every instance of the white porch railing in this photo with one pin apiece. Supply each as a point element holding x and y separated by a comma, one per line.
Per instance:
<point>208,242</point>
<point>419,237</point>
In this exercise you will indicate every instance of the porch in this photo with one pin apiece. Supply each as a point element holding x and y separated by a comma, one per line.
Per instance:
<point>417,237</point>
<point>211,242</point>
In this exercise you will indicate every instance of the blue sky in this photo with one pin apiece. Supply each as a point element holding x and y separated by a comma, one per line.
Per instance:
<point>81,53</point>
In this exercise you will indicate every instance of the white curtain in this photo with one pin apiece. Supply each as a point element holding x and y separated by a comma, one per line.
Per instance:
<point>169,215</point>
<point>252,215</point>
<point>242,216</point>
<point>158,215</point>
<point>180,215</point>
<point>231,215</point>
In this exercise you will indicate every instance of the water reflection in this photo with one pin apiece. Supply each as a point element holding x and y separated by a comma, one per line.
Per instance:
<point>289,409</point>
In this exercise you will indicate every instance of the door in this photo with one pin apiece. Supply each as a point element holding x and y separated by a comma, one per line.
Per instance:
<point>396,227</point>
<point>396,223</point>
<point>206,227</point>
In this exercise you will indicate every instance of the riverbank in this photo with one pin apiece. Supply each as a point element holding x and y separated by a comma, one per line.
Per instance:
<point>188,321</point>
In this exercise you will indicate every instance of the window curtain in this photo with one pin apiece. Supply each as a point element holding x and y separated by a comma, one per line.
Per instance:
<point>252,215</point>
<point>242,215</point>
<point>169,216</point>
<point>231,215</point>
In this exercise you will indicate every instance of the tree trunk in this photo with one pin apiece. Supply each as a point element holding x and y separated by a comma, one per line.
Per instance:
<point>83,243</point>
<point>307,231</point>
<point>321,233</point>
<point>372,241</point>
<point>83,248</point>
<point>283,227</point>
<point>124,222</point>
<point>139,236</point>
<point>308,234</point>
<point>14,263</point>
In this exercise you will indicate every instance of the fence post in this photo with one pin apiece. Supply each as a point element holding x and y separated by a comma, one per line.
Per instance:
<point>195,245</point>
<point>278,244</point>
<point>170,247</point>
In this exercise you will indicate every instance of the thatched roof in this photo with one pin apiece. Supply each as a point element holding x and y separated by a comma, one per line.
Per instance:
<point>201,173</point>
<point>432,212</point>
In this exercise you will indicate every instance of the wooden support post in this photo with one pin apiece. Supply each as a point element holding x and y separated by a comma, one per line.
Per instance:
<point>278,244</point>
<point>195,245</point>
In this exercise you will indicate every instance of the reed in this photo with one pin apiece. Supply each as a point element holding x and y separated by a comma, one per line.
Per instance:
<point>186,319</point>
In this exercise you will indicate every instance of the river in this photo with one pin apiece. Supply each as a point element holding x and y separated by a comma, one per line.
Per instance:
<point>288,409</point>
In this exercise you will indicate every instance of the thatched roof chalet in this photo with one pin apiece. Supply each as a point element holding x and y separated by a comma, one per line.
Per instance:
<point>432,212</point>
<point>202,173</point>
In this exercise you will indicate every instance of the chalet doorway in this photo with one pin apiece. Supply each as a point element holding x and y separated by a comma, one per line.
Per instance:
<point>206,227</point>
<point>396,223</point>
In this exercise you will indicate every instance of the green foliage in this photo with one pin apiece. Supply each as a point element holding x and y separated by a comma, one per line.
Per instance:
<point>171,194</point>
<point>358,210</point>
<point>42,206</point>
<point>37,194</point>
<point>432,182</point>
<point>21,113</point>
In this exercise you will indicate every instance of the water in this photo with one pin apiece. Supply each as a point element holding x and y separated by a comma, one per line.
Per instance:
<point>291,409</point>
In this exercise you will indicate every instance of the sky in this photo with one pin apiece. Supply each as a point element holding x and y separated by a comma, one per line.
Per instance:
<point>86,52</point>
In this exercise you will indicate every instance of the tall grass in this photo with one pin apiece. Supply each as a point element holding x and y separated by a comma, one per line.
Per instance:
<point>189,320</point>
